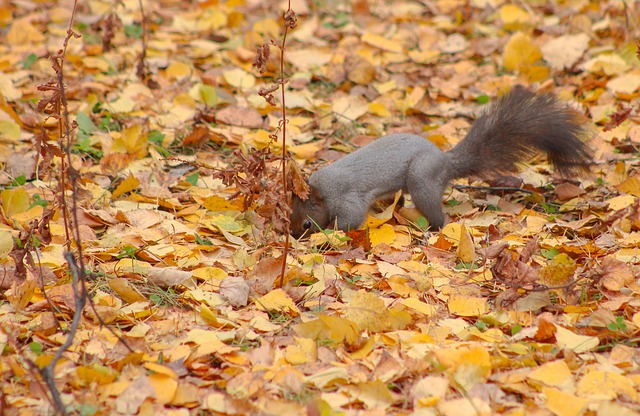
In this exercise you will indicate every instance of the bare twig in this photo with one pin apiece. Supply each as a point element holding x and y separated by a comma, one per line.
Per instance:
<point>80,295</point>
<point>70,216</point>
<point>493,188</point>
<point>142,70</point>
<point>289,22</point>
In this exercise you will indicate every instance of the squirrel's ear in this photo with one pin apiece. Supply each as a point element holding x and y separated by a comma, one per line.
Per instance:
<point>314,194</point>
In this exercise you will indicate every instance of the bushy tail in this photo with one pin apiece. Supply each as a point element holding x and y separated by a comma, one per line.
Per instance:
<point>517,125</point>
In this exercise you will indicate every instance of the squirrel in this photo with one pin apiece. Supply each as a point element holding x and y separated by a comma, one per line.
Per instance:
<point>513,128</point>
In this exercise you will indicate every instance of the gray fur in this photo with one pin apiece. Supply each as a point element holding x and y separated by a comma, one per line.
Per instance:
<point>513,128</point>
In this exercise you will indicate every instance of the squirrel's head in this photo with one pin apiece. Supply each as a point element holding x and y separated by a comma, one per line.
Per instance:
<point>307,216</point>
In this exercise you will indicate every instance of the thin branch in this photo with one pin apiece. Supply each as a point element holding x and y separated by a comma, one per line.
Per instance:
<point>289,19</point>
<point>80,295</point>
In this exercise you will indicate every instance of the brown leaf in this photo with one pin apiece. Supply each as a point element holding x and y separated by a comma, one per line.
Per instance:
<point>168,276</point>
<point>240,116</point>
<point>546,329</point>
<point>198,136</point>
<point>264,274</point>
<point>567,191</point>
<point>236,290</point>
<point>616,274</point>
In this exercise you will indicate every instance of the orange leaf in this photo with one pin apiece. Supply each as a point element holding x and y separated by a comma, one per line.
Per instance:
<point>125,186</point>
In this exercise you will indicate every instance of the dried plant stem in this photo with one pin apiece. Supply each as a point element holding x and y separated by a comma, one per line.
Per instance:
<point>70,217</point>
<point>285,252</point>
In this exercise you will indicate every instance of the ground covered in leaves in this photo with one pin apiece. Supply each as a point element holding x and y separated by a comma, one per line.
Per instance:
<point>527,302</point>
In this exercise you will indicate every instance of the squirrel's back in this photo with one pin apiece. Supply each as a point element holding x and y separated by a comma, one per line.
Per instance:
<point>377,169</point>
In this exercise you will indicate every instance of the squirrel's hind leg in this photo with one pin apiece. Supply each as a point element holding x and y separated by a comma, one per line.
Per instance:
<point>426,181</point>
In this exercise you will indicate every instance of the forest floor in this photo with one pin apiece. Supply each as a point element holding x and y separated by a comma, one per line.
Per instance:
<point>154,161</point>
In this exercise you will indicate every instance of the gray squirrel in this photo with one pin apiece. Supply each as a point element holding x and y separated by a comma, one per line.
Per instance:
<point>513,128</point>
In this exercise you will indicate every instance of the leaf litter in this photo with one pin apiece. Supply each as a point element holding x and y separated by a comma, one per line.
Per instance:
<point>524,302</point>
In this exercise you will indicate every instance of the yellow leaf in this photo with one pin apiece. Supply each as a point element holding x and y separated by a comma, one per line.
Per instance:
<point>96,372</point>
<point>553,374</point>
<point>261,139</point>
<point>9,93</point>
<point>277,301</point>
<point>22,32</point>
<point>463,305</point>
<point>565,51</point>
<point>14,201</point>
<point>379,110</point>
<point>21,294</point>
<point>350,107</point>
<point>329,377</point>
<point>123,104</point>
<point>209,95</point>
<point>536,73</point>
<point>43,360</point>
<point>128,185</point>
<point>268,27</point>
<point>513,17</point>
<point>608,64</point>
<point>399,319</point>
<point>212,20</point>
<point>139,331</point>
<point>131,141</point>
<point>209,272</point>
<point>186,395</point>
<point>208,343</point>
<point>262,324</point>
<point>368,311</point>
<point>452,232</point>
<point>306,351</point>
<point>469,366</point>
<point>311,329</point>
<point>184,100</point>
<point>374,394</point>
<point>376,220</point>
<point>382,43</point>
<point>305,151</point>
<point>123,289</point>
<point>328,327</point>
<point>210,317</point>
<point>630,186</point>
<point>5,16</point>
<point>217,402</point>
<point>364,350</point>
<point>621,202</point>
<point>564,404</point>
<point>218,203</point>
<point>606,385</point>
<point>6,243</point>
<point>94,62</point>
<point>520,52</point>
<point>161,369</point>
<point>334,239</point>
<point>402,285</point>
<point>178,70</point>
<point>559,271</point>
<point>465,250</point>
<point>25,217</point>
<point>226,223</point>
<point>383,234</point>
<point>340,329</point>
<point>239,78</point>
<point>164,386</point>
<point>9,130</point>
<point>419,306</point>
<point>575,342</point>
